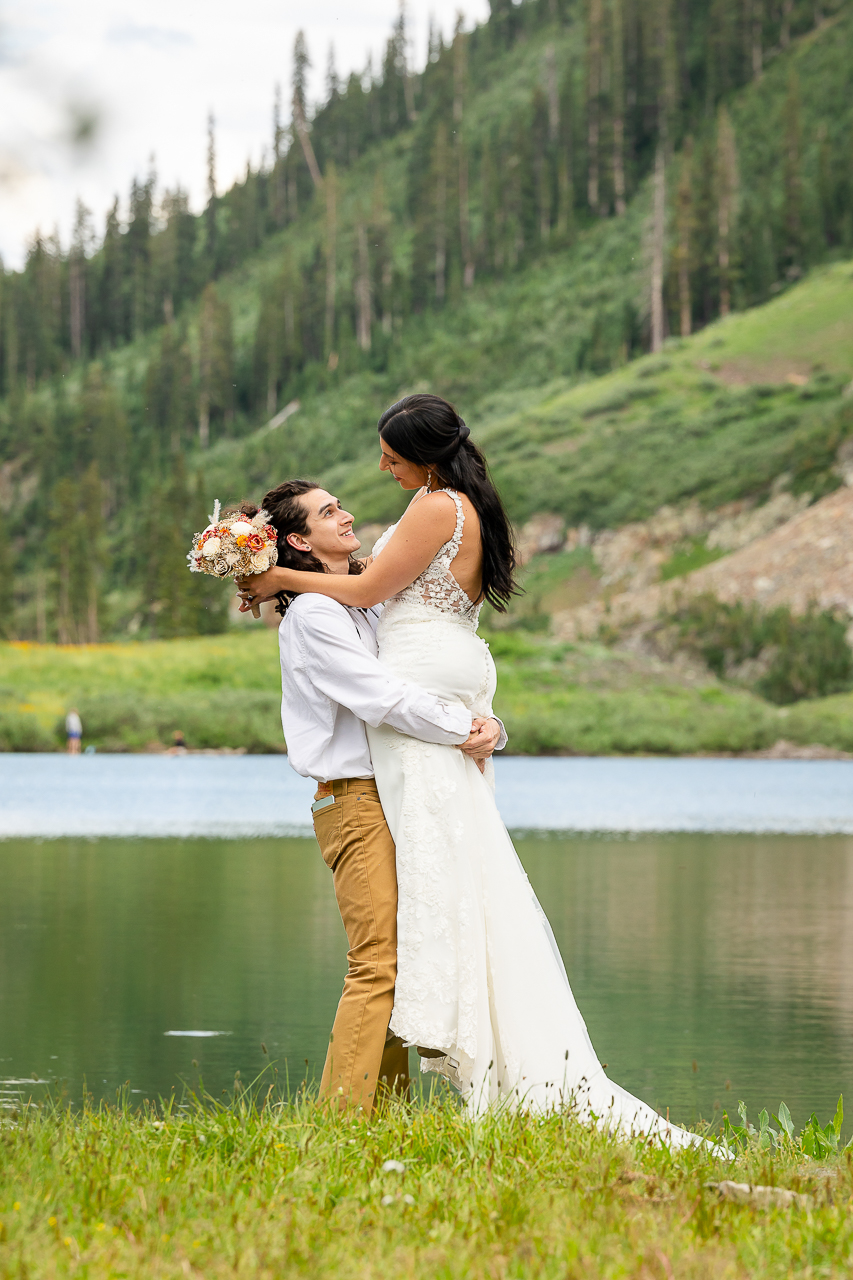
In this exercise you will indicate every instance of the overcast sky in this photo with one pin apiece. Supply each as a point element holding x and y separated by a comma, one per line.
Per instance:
<point>129,80</point>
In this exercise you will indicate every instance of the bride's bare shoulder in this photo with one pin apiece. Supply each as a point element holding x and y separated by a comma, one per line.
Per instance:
<point>430,511</point>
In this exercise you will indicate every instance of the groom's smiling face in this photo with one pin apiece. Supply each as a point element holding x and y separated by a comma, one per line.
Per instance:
<point>329,536</point>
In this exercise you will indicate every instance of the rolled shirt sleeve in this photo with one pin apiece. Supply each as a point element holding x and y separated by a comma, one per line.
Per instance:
<point>339,666</point>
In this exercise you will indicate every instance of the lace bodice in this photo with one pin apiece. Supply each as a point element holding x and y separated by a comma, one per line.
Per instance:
<point>436,588</point>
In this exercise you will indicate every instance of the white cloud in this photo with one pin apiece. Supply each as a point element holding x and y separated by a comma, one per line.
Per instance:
<point>147,80</point>
<point>156,37</point>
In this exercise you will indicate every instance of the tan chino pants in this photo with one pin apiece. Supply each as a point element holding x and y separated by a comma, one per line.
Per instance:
<point>356,845</point>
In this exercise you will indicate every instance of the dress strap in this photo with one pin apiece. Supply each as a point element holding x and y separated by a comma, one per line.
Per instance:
<point>455,542</point>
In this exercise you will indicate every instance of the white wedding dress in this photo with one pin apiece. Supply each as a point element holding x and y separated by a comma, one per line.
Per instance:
<point>479,974</point>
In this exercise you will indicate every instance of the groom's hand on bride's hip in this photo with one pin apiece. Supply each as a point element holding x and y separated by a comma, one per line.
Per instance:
<point>483,738</point>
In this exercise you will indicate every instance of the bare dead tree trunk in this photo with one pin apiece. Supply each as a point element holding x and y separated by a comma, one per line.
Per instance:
<point>785,32</point>
<point>726,177</point>
<point>618,77</point>
<point>553,94</point>
<point>757,33</point>
<point>331,258</point>
<point>440,212</point>
<point>464,215</point>
<point>685,223</point>
<point>363,290</point>
<point>305,140</point>
<point>658,239</point>
<point>593,100</point>
<point>460,79</point>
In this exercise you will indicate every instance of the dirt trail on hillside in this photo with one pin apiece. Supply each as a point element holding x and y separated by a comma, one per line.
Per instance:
<point>807,560</point>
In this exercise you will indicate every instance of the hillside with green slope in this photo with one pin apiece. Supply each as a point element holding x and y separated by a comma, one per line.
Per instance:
<point>482,228</point>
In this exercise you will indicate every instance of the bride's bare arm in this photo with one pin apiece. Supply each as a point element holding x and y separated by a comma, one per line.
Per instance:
<point>423,530</point>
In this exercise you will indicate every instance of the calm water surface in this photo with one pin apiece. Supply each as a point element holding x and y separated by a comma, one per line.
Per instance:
<point>709,967</point>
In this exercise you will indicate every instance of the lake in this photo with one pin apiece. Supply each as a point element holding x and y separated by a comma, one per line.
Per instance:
<point>711,965</point>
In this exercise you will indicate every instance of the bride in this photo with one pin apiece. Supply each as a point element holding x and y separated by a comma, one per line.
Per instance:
<point>480,980</point>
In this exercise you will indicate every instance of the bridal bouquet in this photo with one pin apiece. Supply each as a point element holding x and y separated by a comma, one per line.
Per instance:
<point>234,546</point>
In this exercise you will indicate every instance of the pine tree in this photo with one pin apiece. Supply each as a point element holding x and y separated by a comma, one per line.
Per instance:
<point>104,436</point>
<point>92,553</point>
<point>205,607</point>
<point>756,31</point>
<point>215,362</point>
<point>439,170</point>
<point>279,190</point>
<point>665,72</point>
<point>139,250</point>
<point>212,245</point>
<point>541,168</point>
<point>460,84</point>
<point>565,160</point>
<point>684,218</point>
<point>7,580</point>
<point>63,537</point>
<point>362,289</point>
<point>81,245</point>
<point>301,66</point>
<point>726,184</point>
<point>331,263</point>
<point>792,178</point>
<point>112,311</point>
<point>593,101</point>
<point>173,612</point>
<point>617,77</point>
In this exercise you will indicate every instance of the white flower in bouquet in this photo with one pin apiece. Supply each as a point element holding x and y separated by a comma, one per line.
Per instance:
<point>235,546</point>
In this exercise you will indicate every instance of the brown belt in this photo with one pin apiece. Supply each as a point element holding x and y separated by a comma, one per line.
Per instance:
<point>328,791</point>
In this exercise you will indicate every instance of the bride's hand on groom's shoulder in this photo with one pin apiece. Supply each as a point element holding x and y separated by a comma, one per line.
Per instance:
<point>257,588</point>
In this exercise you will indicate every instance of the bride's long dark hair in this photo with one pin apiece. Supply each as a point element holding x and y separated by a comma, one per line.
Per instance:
<point>427,430</point>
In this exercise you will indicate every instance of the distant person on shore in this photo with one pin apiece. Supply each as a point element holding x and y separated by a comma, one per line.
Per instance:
<point>73,732</point>
<point>179,744</point>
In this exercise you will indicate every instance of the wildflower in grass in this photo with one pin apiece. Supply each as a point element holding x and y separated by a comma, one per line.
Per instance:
<point>101,1226</point>
<point>393,1166</point>
<point>51,1222</point>
<point>16,1206</point>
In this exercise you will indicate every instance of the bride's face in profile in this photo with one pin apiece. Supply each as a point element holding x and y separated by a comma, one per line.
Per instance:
<point>407,474</point>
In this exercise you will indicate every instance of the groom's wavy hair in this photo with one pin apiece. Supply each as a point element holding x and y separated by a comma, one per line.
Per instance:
<point>288,514</point>
<point>427,430</point>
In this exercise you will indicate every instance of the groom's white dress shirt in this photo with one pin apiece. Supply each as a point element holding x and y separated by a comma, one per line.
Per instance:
<point>332,684</point>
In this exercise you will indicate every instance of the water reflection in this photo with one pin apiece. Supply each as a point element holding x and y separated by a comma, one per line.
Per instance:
<point>731,953</point>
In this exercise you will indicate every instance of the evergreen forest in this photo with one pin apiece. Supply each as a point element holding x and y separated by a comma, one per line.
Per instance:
<point>569,186</point>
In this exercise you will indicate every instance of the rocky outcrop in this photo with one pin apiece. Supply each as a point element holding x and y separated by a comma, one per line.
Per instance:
<point>807,560</point>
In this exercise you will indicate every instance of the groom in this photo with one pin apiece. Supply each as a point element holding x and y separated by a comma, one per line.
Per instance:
<point>332,684</point>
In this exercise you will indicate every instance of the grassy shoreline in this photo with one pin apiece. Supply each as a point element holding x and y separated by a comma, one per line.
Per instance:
<point>284,1190</point>
<point>556,699</point>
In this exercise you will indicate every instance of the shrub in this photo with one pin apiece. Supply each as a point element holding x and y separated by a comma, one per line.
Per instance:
<point>21,732</point>
<point>783,656</point>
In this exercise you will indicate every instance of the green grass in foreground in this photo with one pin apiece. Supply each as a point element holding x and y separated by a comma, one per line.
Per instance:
<point>223,691</point>
<point>287,1191</point>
